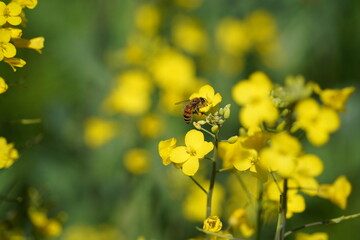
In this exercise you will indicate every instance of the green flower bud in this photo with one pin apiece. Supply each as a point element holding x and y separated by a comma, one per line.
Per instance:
<point>233,139</point>
<point>197,125</point>
<point>215,128</point>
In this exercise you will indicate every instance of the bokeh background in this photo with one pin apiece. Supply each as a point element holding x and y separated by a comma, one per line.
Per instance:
<point>101,90</point>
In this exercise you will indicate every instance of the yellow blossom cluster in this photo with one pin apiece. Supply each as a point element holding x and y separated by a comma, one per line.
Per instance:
<point>11,16</point>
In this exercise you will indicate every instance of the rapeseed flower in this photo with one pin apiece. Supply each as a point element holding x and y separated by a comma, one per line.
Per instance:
<point>137,161</point>
<point>335,98</point>
<point>208,93</point>
<point>151,126</point>
<point>147,18</point>
<point>35,43</point>
<point>47,227</point>
<point>165,147</point>
<point>7,49</point>
<point>337,193</point>
<point>99,131</point>
<point>254,97</point>
<point>10,13</point>
<point>239,220</point>
<point>317,121</point>
<point>189,36</point>
<point>195,148</point>
<point>27,3</point>
<point>8,154</point>
<point>212,224</point>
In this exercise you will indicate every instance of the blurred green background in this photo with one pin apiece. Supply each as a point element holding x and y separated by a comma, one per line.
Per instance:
<point>69,81</point>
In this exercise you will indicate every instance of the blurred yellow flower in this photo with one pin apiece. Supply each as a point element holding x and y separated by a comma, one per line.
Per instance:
<point>208,93</point>
<point>261,26</point>
<point>335,98</point>
<point>173,70</point>
<point>48,228</point>
<point>151,126</point>
<point>232,36</point>
<point>3,86</point>
<point>10,13</point>
<point>337,193</point>
<point>131,94</point>
<point>212,224</point>
<point>314,236</point>
<point>196,148</point>
<point>8,154</point>
<point>239,220</point>
<point>99,131</point>
<point>137,161</point>
<point>316,120</point>
<point>194,205</point>
<point>7,49</point>
<point>27,3</point>
<point>282,154</point>
<point>165,147</point>
<point>254,97</point>
<point>147,18</point>
<point>189,36</point>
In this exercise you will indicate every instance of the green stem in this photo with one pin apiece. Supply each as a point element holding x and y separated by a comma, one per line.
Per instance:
<point>280,228</point>
<point>329,221</point>
<point>212,178</point>
<point>198,184</point>
<point>259,212</point>
<point>208,132</point>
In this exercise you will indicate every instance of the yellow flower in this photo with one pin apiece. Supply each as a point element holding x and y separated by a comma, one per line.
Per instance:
<point>165,148</point>
<point>15,62</point>
<point>99,131</point>
<point>317,121</point>
<point>173,70</point>
<point>151,126</point>
<point>147,18</point>
<point>314,236</point>
<point>7,49</point>
<point>131,94</point>
<point>137,161</point>
<point>10,13</point>
<point>34,43</point>
<point>244,154</point>
<point>212,224</point>
<point>47,227</point>
<point>282,154</point>
<point>196,148</point>
<point>189,36</point>
<point>337,193</point>
<point>27,3</point>
<point>254,96</point>
<point>335,98</point>
<point>232,36</point>
<point>239,220</point>
<point>3,86</point>
<point>208,93</point>
<point>8,154</point>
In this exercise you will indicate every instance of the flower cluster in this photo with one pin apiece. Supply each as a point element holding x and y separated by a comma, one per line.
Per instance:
<point>268,147</point>
<point>11,16</point>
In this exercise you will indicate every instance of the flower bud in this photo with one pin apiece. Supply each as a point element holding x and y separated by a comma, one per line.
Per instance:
<point>221,121</point>
<point>212,224</point>
<point>233,139</point>
<point>215,128</point>
<point>201,122</point>
<point>227,111</point>
<point>221,111</point>
<point>197,125</point>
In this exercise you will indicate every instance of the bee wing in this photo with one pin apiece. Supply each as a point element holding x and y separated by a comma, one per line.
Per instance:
<point>183,102</point>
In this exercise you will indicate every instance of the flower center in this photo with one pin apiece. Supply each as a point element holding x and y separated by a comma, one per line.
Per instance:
<point>191,151</point>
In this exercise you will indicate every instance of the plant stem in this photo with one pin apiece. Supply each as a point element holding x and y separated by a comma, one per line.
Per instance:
<point>198,184</point>
<point>329,221</point>
<point>280,228</point>
<point>212,178</point>
<point>259,212</point>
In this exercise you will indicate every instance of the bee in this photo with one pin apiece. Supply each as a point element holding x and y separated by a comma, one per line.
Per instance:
<point>193,107</point>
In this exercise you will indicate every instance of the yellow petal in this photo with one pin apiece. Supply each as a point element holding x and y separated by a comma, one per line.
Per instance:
<point>3,85</point>
<point>179,155</point>
<point>165,147</point>
<point>194,139</point>
<point>191,166</point>
<point>204,149</point>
